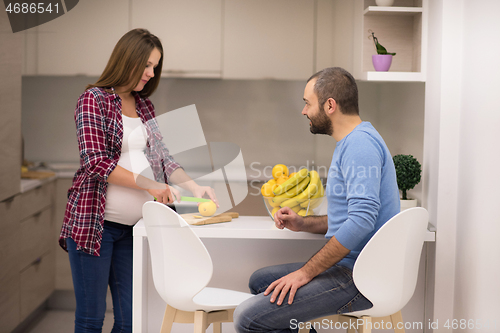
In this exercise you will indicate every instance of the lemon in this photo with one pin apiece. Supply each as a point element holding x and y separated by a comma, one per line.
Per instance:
<point>279,170</point>
<point>267,190</point>
<point>207,208</point>
<point>271,181</point>
<point>281,180</point>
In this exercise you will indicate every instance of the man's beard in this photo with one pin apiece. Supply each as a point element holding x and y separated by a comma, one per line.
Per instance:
<point>321,124</point>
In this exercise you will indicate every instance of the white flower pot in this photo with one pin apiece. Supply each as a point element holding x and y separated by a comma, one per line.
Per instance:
<point>384,2</point>
<point>410,203</point>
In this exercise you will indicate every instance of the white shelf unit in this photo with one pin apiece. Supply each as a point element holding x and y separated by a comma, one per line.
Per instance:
<point>402,29</point>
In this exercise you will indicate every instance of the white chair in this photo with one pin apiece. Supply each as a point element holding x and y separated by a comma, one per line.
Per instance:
<point>182,268</point>
<point>386,273</point>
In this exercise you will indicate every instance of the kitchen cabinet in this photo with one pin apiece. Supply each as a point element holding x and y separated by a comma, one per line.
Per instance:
<point>36,251</point>
<point>401,28</point>
<point>190,32</point>
<point>10,108</point>
<point>268,39</point>
<point>10,238</point>
<point>26,254</point>
<point>237,39</point>
<point>79,42</point>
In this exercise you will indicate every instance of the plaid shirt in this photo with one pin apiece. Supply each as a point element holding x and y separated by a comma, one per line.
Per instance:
<point>99,128</point>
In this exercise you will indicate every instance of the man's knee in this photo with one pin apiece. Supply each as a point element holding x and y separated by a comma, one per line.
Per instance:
<point>258,281</point>
<point>240,318</point>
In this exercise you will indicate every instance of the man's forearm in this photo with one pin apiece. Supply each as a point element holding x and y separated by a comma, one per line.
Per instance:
<point>326,257</point>
<point>316,224</point>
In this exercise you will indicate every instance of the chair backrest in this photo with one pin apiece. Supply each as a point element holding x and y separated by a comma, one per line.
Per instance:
<point>181,264</point>
<point>386,270</point>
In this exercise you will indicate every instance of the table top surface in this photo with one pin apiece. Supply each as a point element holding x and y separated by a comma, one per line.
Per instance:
<point>249,227</point>
<point>245,227</point>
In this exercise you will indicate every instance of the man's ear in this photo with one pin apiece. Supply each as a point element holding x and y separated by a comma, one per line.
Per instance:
<point>330,106</point>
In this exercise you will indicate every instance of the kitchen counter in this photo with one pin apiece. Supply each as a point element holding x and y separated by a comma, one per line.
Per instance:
<point>29,184</point>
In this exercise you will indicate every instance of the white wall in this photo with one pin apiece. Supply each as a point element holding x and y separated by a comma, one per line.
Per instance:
<point>477,287</point>
<point>462,121</point>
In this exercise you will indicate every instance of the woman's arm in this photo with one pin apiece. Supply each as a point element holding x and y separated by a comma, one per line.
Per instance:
<point>180,177</point>
<point>123,177</point>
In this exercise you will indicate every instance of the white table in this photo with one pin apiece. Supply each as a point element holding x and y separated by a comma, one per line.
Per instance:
<point>237,249</point>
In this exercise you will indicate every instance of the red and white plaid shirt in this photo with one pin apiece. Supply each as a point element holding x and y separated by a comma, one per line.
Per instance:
<point>99,130</point>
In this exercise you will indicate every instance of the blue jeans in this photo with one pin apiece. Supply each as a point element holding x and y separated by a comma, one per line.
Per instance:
<point>92,275</point>
<point>331,292</point>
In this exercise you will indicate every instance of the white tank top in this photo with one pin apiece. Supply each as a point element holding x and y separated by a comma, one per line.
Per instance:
<point>124,204</point>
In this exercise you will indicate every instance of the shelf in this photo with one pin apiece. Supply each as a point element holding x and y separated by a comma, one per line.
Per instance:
<point>401,29</point>
<point>381,10</point>
<point>393,76</point>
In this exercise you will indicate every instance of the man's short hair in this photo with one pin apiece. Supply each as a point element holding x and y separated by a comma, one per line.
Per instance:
<point>339,84</point>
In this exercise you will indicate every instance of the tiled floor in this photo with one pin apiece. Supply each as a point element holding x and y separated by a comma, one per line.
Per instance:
<point>61,321</point>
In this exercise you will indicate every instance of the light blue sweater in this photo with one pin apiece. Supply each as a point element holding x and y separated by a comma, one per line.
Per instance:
<point>361,189</point>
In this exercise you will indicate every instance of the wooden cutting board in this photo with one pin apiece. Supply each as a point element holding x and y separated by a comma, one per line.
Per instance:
<point>37,174</point>
<point>194,218</point>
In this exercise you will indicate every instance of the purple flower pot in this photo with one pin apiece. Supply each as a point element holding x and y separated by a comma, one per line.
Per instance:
<point>381,62</point>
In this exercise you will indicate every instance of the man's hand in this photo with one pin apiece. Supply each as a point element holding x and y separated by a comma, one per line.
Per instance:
<point>287,218</point>
<point>287,284</point>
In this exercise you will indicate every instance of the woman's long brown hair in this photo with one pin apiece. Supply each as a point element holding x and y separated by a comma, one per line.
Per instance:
<point>128,60</point>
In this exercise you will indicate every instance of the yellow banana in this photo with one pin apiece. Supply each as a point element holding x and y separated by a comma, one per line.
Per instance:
<point>291,182</point>
<point>316,199</point>
<point>313,187</point>
<point>296,209</point>
<point>289,203</point>
<point>292,202</point>
<point>292,192</point>
<point>302,212</point>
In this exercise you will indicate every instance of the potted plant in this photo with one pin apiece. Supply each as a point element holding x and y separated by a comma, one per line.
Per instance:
<point>408,174</point>
<point>382,60</point>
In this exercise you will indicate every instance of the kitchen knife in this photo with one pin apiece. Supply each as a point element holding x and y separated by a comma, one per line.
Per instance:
<point>192,199</point>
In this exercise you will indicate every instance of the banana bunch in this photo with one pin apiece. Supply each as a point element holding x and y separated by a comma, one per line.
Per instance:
<point>302,192</point>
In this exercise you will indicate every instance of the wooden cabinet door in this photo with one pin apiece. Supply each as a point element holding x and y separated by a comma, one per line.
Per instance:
<point>10,108</point>
<point>81,41</point>
<point>190,32</point>
<point>268,39</point>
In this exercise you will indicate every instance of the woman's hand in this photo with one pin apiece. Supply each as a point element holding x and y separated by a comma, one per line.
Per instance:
<point>200,191</point>
<point>163,194</point>
<point>175,193</point>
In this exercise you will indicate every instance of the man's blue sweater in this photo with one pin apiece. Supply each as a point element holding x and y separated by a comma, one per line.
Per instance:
<point>361,189</point>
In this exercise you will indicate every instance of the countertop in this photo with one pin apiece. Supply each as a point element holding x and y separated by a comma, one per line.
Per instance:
<point>243,227</point>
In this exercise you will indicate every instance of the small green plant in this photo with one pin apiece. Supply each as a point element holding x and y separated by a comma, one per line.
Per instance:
<point>408,172</point>
<point>380,48</point>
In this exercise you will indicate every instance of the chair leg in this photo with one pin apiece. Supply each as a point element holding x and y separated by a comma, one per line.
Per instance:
<point>395,320</point>
<point>367,325</point>
<point>168,319</point>
<point>217,327</point>
<point>200,322</point>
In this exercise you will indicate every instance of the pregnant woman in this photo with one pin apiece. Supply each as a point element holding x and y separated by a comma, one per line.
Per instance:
<point>119,142</point>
